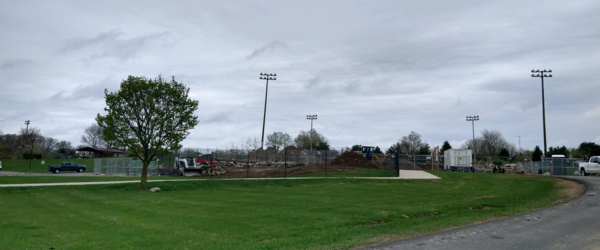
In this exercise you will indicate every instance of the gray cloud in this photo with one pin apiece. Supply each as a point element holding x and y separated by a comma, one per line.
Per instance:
<point>269,47</point>
<point>9,64</point>
<point>112,44</point>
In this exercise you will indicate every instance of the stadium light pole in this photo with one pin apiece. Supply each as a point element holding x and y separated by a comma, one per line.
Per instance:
<point>266,76</point>
<point>472,119</point>
<point>311,118</point>
<point>542,74</point>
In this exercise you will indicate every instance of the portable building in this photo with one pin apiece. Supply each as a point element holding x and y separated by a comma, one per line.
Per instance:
<point>458,159</point>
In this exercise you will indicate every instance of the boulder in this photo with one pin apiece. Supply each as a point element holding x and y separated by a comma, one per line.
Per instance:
<point>155,190</point>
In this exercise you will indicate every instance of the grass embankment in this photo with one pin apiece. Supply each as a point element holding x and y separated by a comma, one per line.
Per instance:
<point>261,214</point>
<point>63,179</point>
<point>22,166</point>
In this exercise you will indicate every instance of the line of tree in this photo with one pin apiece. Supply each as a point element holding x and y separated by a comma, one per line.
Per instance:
<point>15,146</point>
<point>279,140</point>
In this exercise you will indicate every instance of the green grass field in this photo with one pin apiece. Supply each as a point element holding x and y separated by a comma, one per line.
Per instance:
<point>261,214</point>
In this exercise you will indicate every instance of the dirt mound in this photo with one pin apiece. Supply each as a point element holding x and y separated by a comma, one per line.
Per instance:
<point>351,159</point>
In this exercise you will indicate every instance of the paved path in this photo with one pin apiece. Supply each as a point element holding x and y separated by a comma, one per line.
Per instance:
<point>572,225</point>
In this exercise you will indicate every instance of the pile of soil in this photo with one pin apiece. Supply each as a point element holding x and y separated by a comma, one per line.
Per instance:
<point>409,165</point>
<point>352,159</point>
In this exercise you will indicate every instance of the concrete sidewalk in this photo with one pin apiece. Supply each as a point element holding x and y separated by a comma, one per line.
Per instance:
<point>416,174</point>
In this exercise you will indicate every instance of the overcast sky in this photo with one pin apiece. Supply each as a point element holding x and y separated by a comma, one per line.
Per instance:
<point>373,71</point>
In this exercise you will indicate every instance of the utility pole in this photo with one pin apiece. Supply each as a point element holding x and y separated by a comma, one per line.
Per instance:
<point>520,144</point>
<point>542,74</point>
<point>265,76</point>
<point>472,119</point>
<point>311,118</point>
<point>27,136</point>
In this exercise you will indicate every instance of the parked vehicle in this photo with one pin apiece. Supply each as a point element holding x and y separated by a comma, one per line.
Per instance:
<point>590,167</point>
<point>67,166</point>
<point>189,166</point>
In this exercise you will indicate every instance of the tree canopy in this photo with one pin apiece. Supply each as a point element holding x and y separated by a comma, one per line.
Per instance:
<point>445,147</point>
<point>148,116</point>
<point>424,149</point>
<point>537,154</point>
<point>589,149</point>
<point>412,143</point>
<point>559,151</point>
<point>279,140</point>
<point>490,143</point>
<point>392,149</point>
<point>318,142</point>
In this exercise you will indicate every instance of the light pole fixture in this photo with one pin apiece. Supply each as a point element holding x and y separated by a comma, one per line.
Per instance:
<point>472,119</point>
<point>542,74</point>
<point>265,76</point>
<point>311,118</point>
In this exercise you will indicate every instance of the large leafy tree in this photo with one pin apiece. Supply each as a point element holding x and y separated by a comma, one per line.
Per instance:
<point>279,140</point>
<point>149,116</point>
<point>305,139</point>
<point>589,149</point>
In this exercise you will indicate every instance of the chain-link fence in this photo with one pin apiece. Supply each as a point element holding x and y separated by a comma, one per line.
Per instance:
<point>553,166</point>
<point>122,166</point>
<point>257,163</point>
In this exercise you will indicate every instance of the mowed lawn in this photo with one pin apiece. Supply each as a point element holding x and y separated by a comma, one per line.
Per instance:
<point>36,165</point>
<point>261,214</point>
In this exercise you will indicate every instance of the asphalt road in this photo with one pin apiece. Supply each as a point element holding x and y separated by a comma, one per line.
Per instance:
<point>572,225</point>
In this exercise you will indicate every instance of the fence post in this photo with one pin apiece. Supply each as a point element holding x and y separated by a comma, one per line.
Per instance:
<point>326,160</point>
<point>397,160</point>
<point>248,165</point>
<point>285,165</point>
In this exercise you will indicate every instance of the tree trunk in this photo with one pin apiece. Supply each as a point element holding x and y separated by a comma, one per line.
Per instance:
<point>144,175</point>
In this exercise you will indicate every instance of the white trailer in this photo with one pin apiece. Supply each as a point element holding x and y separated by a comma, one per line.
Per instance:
<point>458,159</point>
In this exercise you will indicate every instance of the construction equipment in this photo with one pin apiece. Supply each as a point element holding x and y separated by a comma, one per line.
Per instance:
<point>369,153</point>
<point>366,151</point>
<point>189,166</point>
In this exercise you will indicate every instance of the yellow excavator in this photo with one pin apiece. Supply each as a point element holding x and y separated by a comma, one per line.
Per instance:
<point>369,153</point>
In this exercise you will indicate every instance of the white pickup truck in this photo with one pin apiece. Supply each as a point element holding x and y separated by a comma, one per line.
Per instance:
<point>591,167</point>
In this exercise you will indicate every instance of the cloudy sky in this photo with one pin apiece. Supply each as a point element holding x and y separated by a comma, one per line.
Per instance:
<point>373,71</point>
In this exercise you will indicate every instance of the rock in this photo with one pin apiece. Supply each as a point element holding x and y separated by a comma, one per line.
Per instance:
<point>155,190</point>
